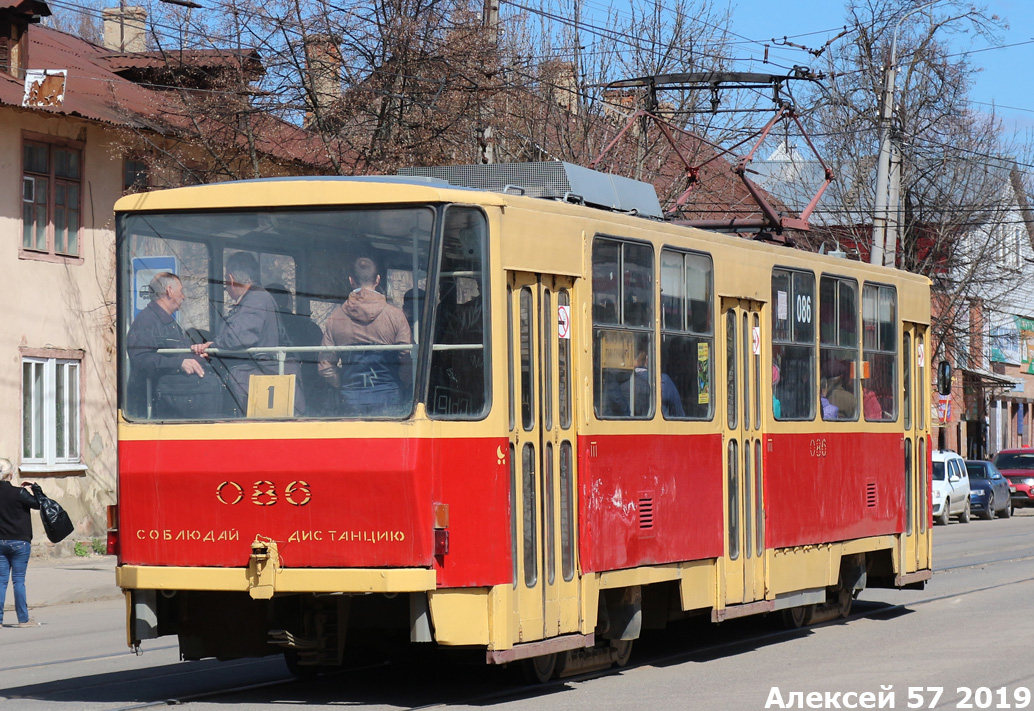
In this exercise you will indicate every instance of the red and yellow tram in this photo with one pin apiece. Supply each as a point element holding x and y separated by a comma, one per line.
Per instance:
<point>599,421</point>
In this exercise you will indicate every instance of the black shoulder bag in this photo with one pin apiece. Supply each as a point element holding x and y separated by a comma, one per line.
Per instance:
<point>56,523</point>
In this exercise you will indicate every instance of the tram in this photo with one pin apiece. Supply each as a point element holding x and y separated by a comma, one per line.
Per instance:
<point>599,422</point>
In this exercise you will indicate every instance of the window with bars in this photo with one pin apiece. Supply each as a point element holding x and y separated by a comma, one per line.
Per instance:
<point>51,198</point>
<point>50,412</point>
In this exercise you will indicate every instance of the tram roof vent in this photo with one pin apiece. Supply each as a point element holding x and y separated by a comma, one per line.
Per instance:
<point>554,180</point>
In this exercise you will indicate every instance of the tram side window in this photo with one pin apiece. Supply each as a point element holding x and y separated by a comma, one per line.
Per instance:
<point>879,367</point>
<point>623,340</point>
<point>459,378</point>
<point>687,335</point>
<point>838,356</point>
<point>793,345</point>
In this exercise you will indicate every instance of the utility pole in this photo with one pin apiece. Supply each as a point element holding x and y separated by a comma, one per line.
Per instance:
<point>490,22</point>
<point>884,237</point>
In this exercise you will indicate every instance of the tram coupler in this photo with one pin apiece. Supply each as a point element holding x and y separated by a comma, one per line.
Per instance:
<point>262,567</point>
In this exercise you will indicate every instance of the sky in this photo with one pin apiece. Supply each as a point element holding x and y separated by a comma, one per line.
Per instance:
<point>1005,81</point>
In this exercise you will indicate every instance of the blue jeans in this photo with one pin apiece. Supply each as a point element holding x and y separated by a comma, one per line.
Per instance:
<point>14,560</point>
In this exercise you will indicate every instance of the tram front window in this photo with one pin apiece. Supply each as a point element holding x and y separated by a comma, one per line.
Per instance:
<point>289,314</point>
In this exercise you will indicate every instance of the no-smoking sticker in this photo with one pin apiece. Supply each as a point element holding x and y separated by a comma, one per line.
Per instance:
<point>563,321</point>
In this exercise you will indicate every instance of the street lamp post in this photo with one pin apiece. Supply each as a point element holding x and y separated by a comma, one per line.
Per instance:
<point>883,239</point>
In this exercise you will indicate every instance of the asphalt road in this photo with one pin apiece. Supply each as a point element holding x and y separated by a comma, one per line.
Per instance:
<point>968,634</point>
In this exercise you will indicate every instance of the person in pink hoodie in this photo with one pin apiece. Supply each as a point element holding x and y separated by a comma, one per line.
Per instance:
<point>369,379</point>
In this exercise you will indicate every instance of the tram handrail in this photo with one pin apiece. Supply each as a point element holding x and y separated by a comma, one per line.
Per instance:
<point>320,349</point>
<point>291,349</point>
<point>282,351</point>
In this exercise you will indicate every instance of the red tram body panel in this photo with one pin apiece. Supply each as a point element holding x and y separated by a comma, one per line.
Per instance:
<point>678,477</point>
<point>836,487</point>
<point>355,503</point>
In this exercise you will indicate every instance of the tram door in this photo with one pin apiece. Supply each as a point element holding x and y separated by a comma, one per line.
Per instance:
<point>542,441</point>
<point>916,545</point>
<point>744,561</point>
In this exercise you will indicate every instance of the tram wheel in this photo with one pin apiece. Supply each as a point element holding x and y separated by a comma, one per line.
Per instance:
<point>796,617</point>
<point>539,670</point>
<point>623,651</point>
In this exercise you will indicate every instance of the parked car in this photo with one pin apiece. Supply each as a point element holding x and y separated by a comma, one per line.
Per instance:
<point>950,487</point>
<point>989,491</point>
<point>1017,465</point>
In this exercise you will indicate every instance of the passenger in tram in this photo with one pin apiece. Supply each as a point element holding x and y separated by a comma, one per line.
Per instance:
<point>155,328</point>
<point>413,305</point>
<point>251,322</point>
<point>671,402</point>
<point>370,381</point>
<point>457,375</point>
<point>829,410</point>
<point>300,330</point>
<point>777,406</point>
<point>871,405</point>
<point>839,394</point>
<point>639,406</point>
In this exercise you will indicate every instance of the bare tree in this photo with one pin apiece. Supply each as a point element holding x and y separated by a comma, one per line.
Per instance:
<point>955,162</point>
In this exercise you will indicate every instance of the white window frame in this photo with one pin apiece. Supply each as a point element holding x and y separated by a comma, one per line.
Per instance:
<point>39,424</point>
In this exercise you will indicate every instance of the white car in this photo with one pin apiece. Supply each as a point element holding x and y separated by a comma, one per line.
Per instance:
<point>950,487</point>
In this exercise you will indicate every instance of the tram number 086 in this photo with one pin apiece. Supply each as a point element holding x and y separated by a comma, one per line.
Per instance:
<point>264,493</point>
<point>818,447</point>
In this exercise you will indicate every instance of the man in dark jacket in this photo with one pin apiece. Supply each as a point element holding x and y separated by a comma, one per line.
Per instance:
<point>15,541</point>
<point>156,328</point>
<point>251,322</point>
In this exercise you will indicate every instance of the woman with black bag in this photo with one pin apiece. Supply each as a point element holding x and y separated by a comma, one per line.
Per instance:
<point>15,541</point>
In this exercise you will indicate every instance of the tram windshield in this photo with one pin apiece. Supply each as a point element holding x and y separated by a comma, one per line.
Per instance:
<point>331,313</point>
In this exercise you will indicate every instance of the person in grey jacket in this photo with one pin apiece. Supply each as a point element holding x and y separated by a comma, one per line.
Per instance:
<point>250,322</point>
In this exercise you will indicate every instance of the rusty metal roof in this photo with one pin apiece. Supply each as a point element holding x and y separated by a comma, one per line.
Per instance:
<point>94,90</point>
